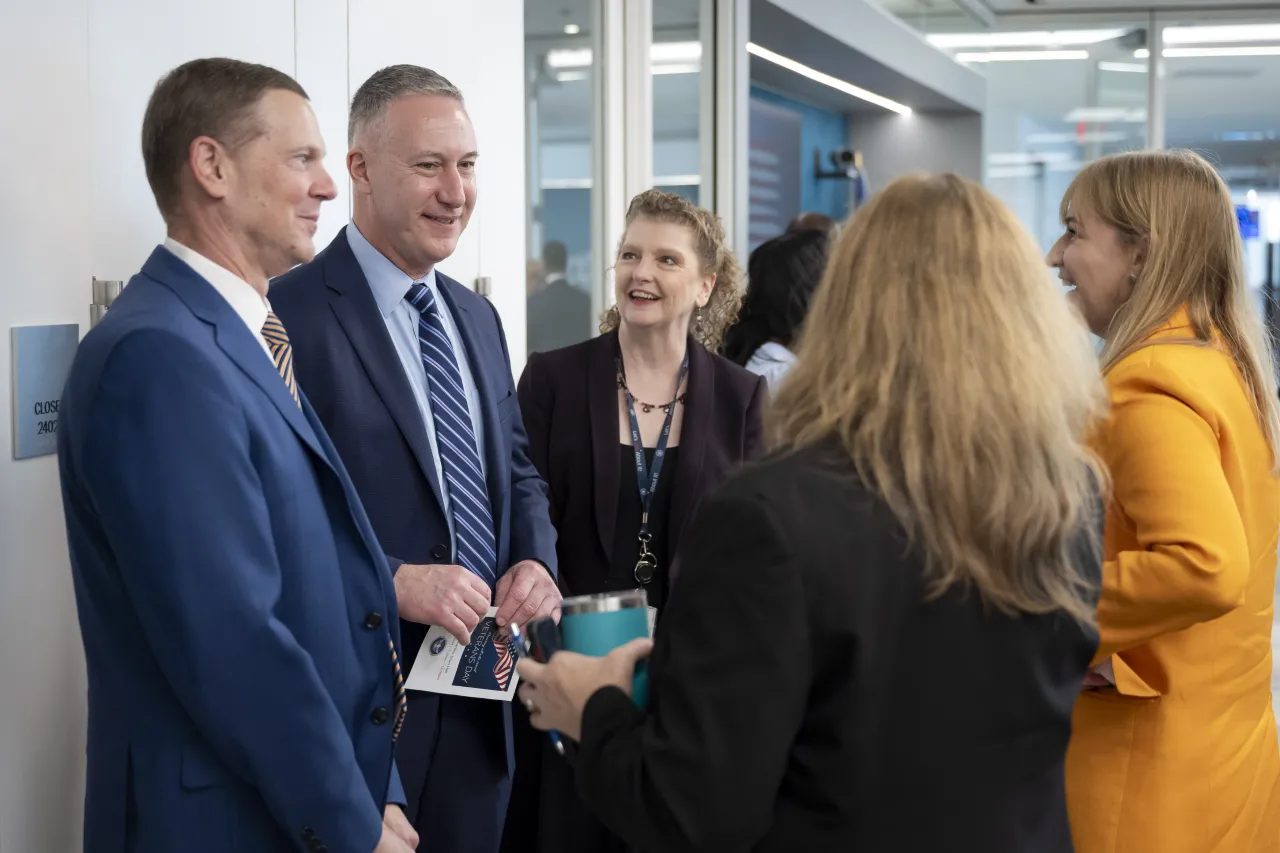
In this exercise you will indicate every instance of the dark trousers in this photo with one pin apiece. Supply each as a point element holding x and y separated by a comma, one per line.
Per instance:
<point>546,815</point>
<point>461,803</point>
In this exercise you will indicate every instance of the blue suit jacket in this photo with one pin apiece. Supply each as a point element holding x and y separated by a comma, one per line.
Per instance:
<point>346,361</point>
<point>235,605</point>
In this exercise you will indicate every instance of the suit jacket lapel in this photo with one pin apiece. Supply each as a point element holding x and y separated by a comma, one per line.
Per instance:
<point>602,401</point>
<point>357,312</point>
<point>233,337</point>
<point>686,484</point>
<point>496,466</point>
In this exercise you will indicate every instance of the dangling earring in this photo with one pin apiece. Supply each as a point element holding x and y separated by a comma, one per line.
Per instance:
<point>697,325</point>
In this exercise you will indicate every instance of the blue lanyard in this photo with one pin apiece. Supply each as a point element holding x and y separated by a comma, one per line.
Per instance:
<point>648,479</point>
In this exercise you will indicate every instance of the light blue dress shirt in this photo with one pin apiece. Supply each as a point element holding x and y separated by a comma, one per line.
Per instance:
<point>390,285</point>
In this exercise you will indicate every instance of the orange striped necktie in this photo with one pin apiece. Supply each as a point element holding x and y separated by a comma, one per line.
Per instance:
<point>281,353</point>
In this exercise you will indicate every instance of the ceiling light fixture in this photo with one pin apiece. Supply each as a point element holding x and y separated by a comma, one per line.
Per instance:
<point>1059,38</point>
<point>1191,52</point>
<point>661,53</point>
<point>1222,34</point>
<point>684,68</point>
<point>827,80</point>
<point>1126,67</point>
<point>572,29</point>
<point>1022,55</point>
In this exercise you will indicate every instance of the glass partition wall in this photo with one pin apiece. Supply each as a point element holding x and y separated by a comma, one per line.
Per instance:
<point>620,97</point>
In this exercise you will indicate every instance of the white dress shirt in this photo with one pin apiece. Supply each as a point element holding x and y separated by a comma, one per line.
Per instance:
<point>250,305</point>
<point>390,286</point>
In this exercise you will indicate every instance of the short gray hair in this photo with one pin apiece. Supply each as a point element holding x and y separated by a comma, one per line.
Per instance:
<point>395,81</point>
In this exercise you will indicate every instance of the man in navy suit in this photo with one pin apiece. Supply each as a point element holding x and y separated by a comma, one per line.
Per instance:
<point>238,615</point>
<point>409,372</point>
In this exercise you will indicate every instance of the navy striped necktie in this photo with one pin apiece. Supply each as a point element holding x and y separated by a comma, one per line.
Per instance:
<point>469,506</point>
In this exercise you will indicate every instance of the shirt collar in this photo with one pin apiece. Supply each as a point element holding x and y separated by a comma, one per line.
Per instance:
<point>244,299</point>
<point>387,281</point>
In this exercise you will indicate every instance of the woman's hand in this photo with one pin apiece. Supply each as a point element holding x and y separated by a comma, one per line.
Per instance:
<point>555,693</point>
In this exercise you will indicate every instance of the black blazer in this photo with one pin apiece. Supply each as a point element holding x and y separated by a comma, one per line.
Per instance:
<point>568,398</point>
<point>805,696</point>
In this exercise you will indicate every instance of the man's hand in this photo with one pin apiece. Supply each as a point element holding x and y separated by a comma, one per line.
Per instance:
<point>527,592</point>
<point>394,820</point>
<point>392,843</point>
<point>449,596</point>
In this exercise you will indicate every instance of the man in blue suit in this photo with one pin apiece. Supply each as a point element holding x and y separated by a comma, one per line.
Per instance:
<point>409,373</point>
<point>238,615</point>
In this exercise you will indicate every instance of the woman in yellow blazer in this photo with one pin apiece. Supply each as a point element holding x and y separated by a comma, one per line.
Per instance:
<point>1174,745</point>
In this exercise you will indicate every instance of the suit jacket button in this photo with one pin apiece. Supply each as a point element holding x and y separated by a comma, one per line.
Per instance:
<point>373,620</point>
<point>380,716</point>
<point>439,552</point>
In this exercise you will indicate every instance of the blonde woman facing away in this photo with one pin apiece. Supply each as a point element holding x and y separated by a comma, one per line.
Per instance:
<point>880,630</point>
<point>1175,741</point>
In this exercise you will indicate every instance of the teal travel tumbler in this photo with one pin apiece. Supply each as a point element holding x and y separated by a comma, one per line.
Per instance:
<point>597,624</point>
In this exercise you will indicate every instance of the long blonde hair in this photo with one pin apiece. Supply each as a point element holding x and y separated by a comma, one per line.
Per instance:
<point>709,325</point>
<point>962,387</point>
<point>1178,204</point>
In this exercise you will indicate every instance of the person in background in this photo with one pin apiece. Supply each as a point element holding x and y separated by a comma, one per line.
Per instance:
<point>410,374</point>
<point>782,275</point>
<point>880,629</point>
<point>646,403</point>
<point>223,564</point>
<point>812,221</point>
<point>1174,746</point>
<point>559,314</point>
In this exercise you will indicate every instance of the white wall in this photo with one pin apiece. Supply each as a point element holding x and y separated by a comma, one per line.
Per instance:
<point>45,223</point>
<point>894,145</point>
<point>76,205</point>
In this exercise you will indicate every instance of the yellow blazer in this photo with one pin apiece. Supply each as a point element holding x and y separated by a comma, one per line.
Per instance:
<point>1181,756</point>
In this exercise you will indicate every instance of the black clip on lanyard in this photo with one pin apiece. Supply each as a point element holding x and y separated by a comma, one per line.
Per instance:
<point>647,564</point>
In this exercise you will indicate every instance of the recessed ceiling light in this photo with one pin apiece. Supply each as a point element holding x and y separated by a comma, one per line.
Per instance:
<point>1021,55</point>
<point>1127,67</point>
<point>1247,50</point>
<point>1221,34</point>
<point>572,29</point>
<point>1059,38</point>
<point>827,80</point>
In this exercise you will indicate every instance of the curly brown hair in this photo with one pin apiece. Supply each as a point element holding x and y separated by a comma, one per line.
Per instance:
<point>714,258</point>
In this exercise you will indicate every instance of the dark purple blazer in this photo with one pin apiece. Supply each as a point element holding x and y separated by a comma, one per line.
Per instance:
<point>568,399</point>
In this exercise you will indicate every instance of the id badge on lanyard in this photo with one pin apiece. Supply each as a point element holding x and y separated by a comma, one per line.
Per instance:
<point>647,563</point>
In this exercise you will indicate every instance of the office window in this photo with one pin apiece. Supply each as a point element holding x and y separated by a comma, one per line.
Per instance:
<point>1221,100</point>
<point>1056,99</point>
<point>682,108</point>
<point>561,67</point>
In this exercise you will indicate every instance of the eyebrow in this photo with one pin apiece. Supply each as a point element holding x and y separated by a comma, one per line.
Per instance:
<point>437,155</point>
<point>632,247</point>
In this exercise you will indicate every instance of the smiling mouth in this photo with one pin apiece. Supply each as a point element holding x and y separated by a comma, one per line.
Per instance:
<point>442,220</point>
<point>641,296</point>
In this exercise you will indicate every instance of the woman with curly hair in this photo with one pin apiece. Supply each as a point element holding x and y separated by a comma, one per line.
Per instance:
<point>647,404</point>
<point>676,286</point>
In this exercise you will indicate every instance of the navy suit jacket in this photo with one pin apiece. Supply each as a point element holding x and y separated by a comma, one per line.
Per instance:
<point>235,606</point>
<point>345,359</point>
